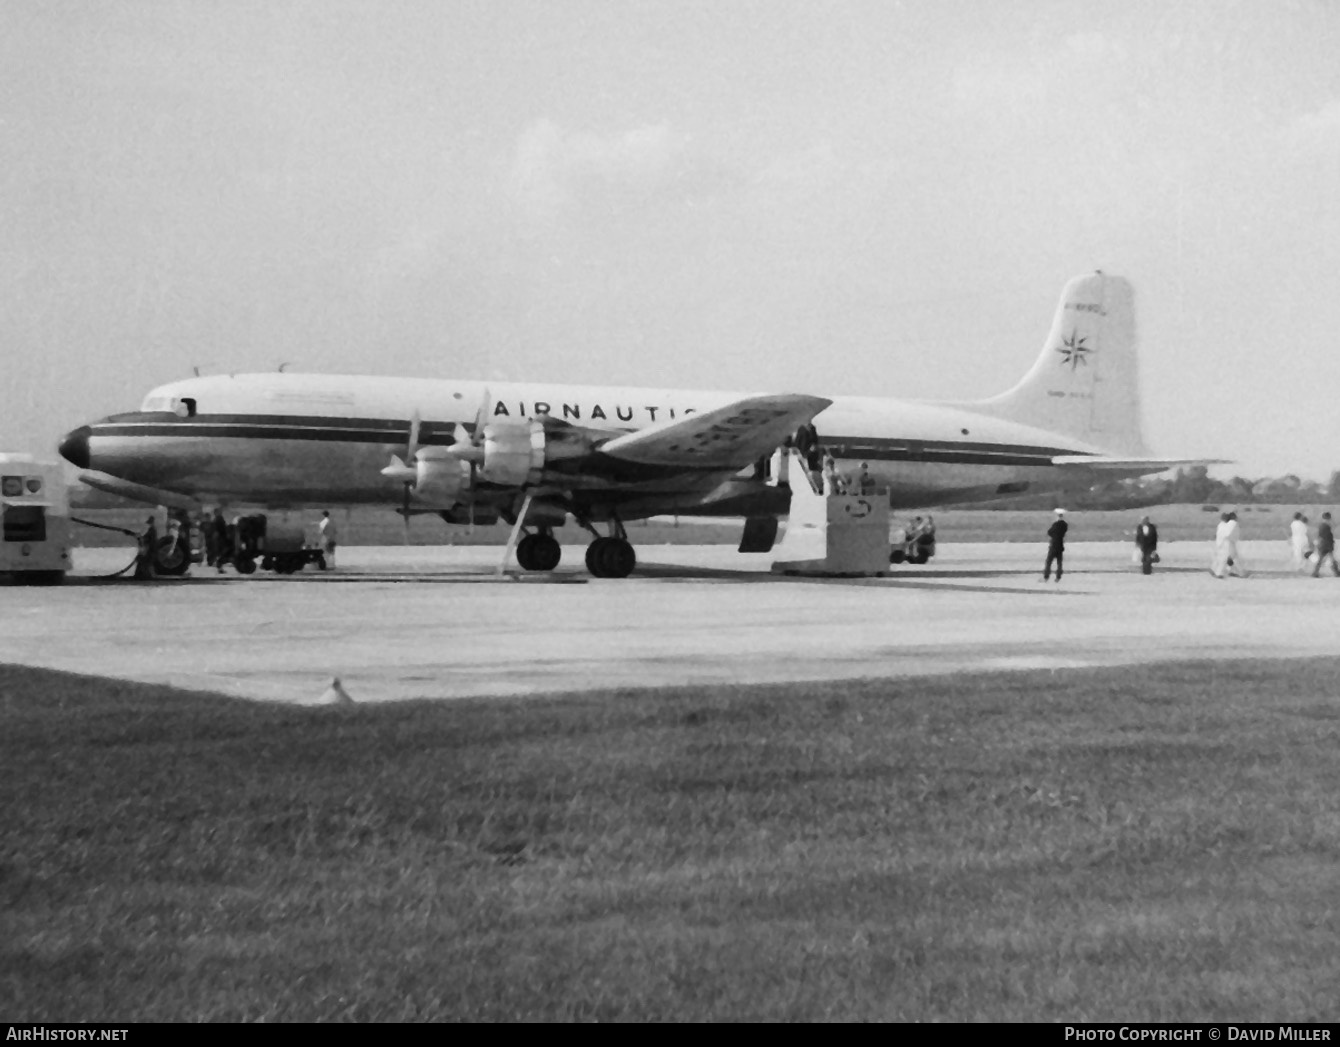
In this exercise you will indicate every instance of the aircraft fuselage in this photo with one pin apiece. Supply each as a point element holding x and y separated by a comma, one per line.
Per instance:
<point>294,440</point>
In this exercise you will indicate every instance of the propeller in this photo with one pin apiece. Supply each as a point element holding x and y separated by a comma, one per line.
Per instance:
<point>469,447</point>
<point>405,470</point>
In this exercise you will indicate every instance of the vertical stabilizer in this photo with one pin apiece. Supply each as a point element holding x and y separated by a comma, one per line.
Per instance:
<point>1085,384</point>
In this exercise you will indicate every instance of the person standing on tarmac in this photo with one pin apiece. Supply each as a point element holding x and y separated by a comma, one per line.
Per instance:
<point>328,538</point>
<point>223,545</point>
<point>144,556</point>
<point>1147,541</point>
<point>211,540</point>
<point>1055,546</point>
<point>1300,543</point>
<point>1325,546</point>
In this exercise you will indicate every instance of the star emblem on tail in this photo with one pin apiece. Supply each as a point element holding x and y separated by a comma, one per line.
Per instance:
<point>1073,350</point>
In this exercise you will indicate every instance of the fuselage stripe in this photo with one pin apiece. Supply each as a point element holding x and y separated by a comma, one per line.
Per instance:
<point>393,432</point>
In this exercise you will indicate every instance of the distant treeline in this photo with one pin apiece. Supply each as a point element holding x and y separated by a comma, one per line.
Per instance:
<point>1191,485</point>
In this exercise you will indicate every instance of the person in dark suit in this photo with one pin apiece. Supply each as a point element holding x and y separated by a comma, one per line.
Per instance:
<point>223,543</point>
<point>144,556</point>
<point>1147,541</point>
<point>1055,545</point>
<point>1325,546</point>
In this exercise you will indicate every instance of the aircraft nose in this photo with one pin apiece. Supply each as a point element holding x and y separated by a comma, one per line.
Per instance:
<point>74,448</point>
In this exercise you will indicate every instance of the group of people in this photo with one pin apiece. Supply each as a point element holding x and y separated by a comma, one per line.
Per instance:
<point>1306,551</point>
<point>836,482</point>
<point>1227,551</point>
<point>918,543</point>
<point>222,540</point>
<point>1146,546</point>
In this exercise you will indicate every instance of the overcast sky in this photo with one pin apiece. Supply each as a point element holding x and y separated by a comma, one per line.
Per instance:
<point>873,198</point>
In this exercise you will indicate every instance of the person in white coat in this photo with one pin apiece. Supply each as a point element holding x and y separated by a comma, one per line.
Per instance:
<point>1300,543</point>
<point>1227,555</point>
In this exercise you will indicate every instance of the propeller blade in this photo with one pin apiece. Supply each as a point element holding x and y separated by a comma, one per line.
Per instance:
<point>481,417</point>
<point>398,470</point>
<point>414,424</point>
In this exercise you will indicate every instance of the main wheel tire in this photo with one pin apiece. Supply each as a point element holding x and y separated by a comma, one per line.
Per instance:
<point>538,552</point>
<point>172,557</point>
<point>620,559</point>
<point>610,558</point>
<point>245,565</point>
<point>546,553</point>
<point>897,556</point>
<point>595,557</point>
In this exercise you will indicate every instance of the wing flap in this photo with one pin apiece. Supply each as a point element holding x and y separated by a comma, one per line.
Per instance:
<point>727,437</point>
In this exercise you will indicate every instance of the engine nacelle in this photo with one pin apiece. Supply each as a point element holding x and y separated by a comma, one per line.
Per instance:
<point>438,477</point>
<point>513,452</point>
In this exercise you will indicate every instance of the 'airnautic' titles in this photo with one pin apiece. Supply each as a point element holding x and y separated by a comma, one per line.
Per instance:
<point>596,413</point>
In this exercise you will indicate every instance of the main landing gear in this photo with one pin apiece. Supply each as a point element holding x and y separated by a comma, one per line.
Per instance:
<point>606,557</point>
<point>611,557</point>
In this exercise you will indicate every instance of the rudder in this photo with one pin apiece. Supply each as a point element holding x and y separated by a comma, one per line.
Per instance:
<point>1085,383</point>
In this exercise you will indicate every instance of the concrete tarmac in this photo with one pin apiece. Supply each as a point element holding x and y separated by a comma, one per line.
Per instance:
<point>435,622</point>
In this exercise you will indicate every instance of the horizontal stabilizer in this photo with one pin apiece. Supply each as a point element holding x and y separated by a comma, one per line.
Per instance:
<point>139,492</point>
<point>1145,465</point>
<point>728,437</point>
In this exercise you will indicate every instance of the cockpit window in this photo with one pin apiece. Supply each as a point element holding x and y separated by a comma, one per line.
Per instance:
<point>184,406</point>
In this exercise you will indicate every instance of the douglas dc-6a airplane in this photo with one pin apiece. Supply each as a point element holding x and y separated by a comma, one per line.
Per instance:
<point>536,454</point>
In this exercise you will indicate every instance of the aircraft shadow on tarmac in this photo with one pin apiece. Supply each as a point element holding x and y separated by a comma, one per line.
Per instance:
<point>946,580</point>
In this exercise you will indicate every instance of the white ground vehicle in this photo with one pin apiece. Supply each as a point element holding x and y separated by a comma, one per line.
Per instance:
<point>35,514</point>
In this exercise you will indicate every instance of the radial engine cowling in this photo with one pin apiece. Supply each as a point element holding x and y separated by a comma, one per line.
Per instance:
<point>513,452</point>
<point>438,477</point>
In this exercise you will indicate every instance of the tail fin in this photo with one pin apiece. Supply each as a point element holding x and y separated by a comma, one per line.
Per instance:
<point>1085,384</point>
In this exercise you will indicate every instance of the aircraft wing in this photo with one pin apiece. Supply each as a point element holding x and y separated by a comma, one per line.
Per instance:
<point>138,492</point>
<point>1149,465</point>
<point>728,437</point>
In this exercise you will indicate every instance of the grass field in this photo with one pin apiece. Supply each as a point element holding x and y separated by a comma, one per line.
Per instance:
<point>1151,844</point>
<point>384,527</point>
